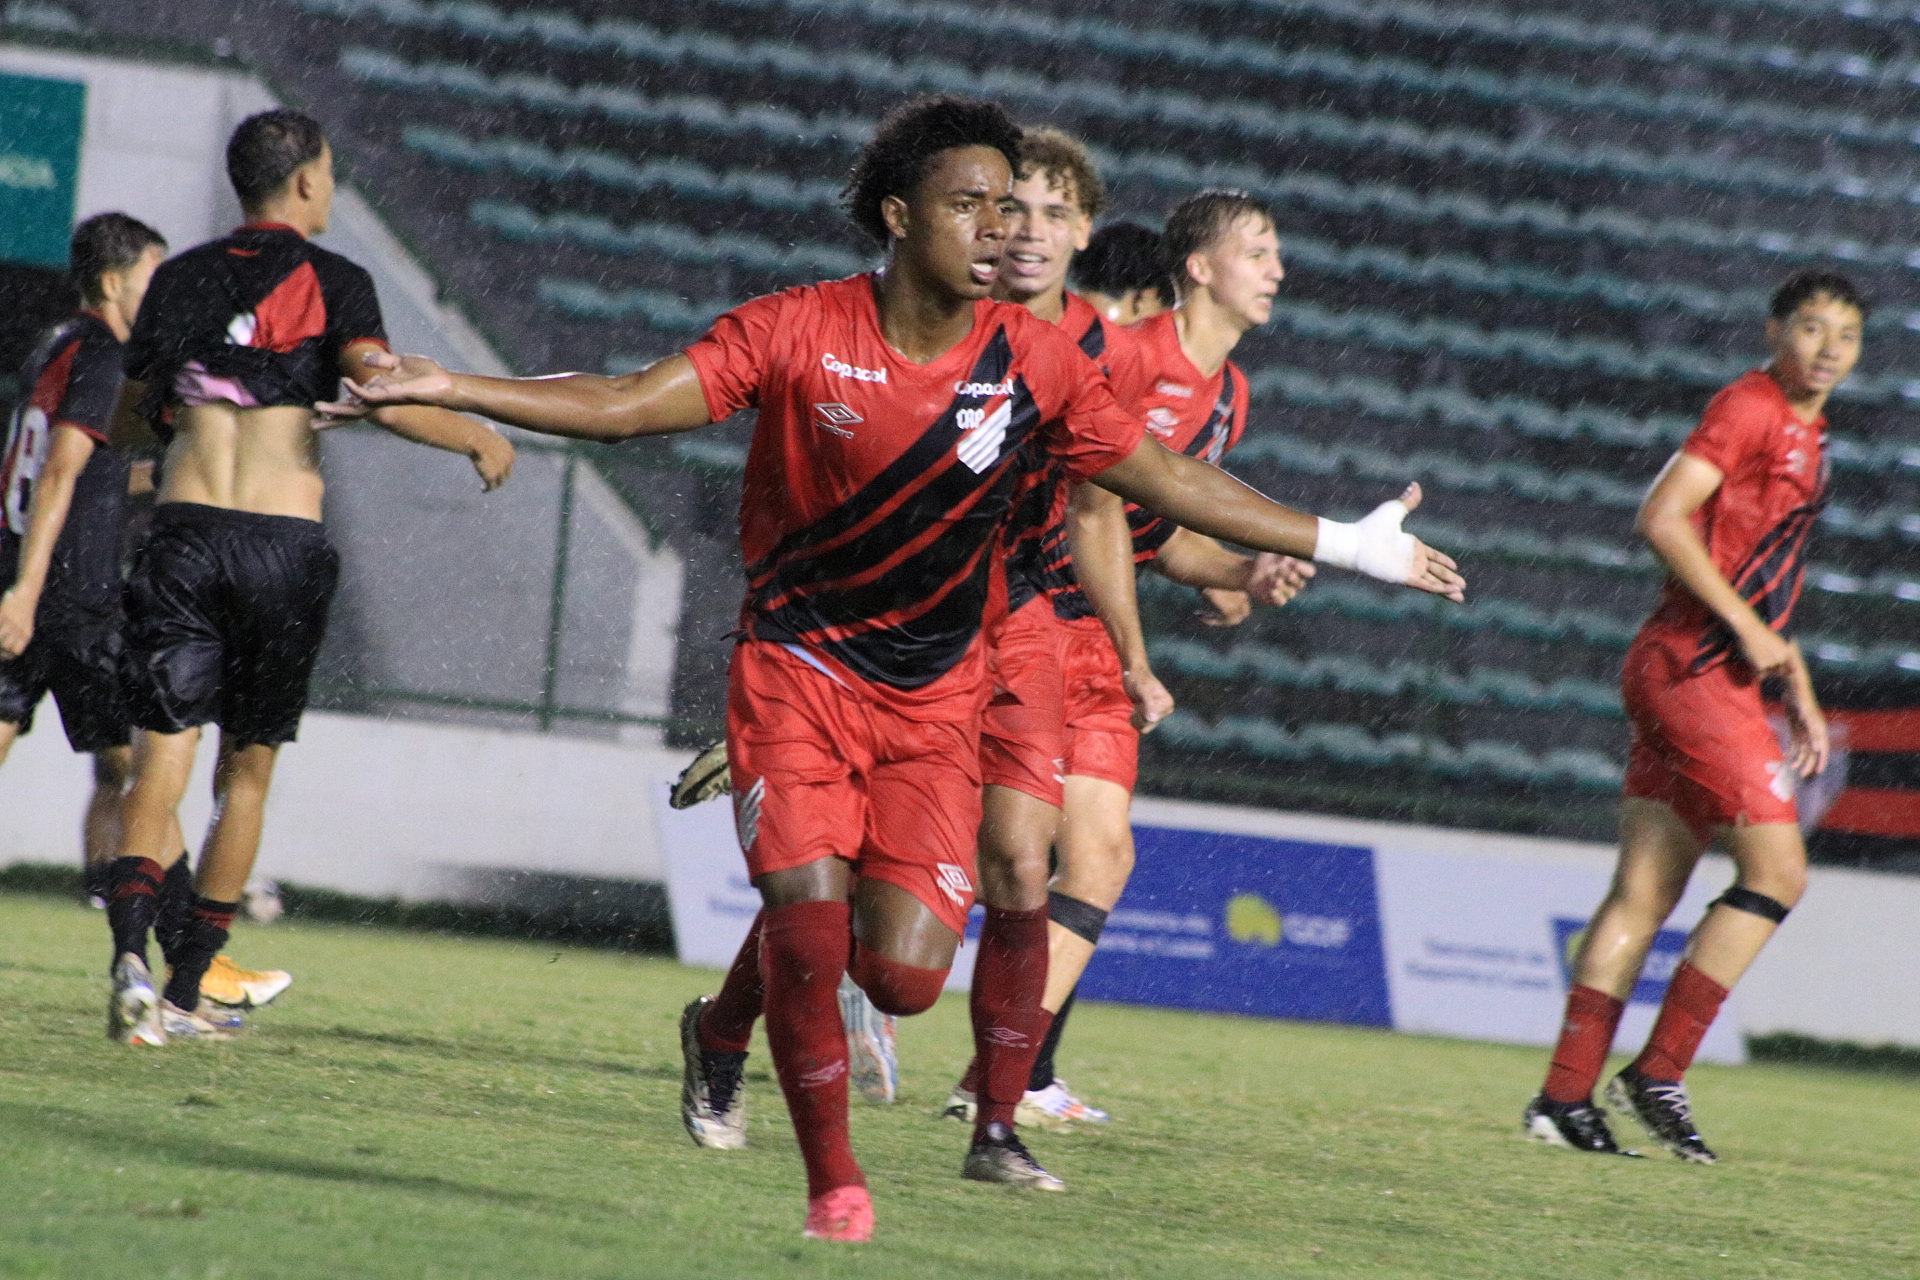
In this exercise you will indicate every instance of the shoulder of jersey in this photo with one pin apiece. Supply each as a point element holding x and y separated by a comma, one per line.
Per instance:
<point>1751,392</point>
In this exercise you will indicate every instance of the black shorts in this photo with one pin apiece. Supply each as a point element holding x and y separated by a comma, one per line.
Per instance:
<point>80,666</point>
<point>225,614</point>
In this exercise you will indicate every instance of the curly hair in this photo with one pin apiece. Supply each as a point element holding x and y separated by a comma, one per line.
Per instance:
<point>1064,159</point>
<point>908,139</point>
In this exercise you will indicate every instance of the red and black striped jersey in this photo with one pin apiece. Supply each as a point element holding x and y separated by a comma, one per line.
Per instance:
<point>1756,523</point>
<point>1037,537</point>
<point>72,379</point>
<point>259,318</point>
<point>878,491</point>
<point>1190,413</point>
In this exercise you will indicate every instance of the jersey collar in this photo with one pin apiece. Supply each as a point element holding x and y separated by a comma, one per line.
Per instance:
<point>268,226</point>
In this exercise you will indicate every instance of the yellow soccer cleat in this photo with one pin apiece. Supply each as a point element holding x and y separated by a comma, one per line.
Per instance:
<point>227,983</point>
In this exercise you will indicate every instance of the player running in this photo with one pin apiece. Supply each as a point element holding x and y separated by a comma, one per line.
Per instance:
<point>228,598</point>
<point>1729,516</point>
<point>899,413</point>
<point>1176,373</point>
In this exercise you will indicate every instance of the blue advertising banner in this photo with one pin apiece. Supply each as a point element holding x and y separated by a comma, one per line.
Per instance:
<point>41,122</point>
<point>1246,924</point>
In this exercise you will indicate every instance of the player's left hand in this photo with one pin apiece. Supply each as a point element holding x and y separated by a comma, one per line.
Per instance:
<point>1223,607</point>
<point>1151,701</point>
<point>1276,579</point>
<point>16,623</point>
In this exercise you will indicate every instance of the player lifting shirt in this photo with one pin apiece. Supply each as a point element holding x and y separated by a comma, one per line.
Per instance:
<point>1729,517</point>
<point>227,602</point>
<point>898,413</point>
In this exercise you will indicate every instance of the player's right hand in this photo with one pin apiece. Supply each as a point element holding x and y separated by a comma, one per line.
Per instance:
<point>16,623</point>
<point>395,380</point>
<point>1151,701</point>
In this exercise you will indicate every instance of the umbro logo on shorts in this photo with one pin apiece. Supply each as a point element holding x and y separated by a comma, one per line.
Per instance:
<point>835,418</point>
<point>746,812</point>
<point>953,881</point>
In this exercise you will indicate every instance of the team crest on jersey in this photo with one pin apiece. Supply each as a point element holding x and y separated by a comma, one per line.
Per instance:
<point>835,418</point>
<point>954,882</point>
<point>746,812</point>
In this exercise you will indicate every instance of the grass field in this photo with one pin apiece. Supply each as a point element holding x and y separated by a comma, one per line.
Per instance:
<point>421,1106</point>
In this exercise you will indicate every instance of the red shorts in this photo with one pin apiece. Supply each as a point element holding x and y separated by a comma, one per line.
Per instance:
<point>1701,743</point>
<point>1023,734</point>
<point>1101,739</point>
<point>820,770</point>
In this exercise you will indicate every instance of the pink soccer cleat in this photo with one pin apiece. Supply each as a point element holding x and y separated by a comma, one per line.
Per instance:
<point>844,1213</point>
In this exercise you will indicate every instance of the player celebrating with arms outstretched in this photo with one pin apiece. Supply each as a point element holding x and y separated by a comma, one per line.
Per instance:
<point>1729,517</point>
<point>899,411</point>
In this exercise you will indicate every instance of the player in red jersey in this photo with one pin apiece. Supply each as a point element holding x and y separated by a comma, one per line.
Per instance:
<point>1176,373</point>
<point>899,413</point>
<point>228,598</point>
<point>1729,516</point>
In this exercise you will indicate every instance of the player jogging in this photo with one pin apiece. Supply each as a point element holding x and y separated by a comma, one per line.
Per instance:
<point>1225,256</point>
<point>898,413</point>
<point>1729,516</point>
<point>228,597</point>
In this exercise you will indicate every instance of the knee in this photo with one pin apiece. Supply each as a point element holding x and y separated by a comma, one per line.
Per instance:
<point>1784,884</point>
<point>895,988</point>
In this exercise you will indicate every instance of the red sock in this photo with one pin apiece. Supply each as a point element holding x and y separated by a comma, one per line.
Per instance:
<point>895,988</point>
<point>1592,1018</point>
<point>727,1024</point>
<point>1692,1003</point>
<point>803,952</point>
<point>1009,979</point>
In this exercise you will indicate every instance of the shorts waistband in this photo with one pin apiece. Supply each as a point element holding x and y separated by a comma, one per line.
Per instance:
<point>196,515</point>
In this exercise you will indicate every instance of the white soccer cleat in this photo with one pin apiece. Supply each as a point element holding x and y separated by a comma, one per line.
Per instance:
<point>181,1024</point>
<point>873,1057</point>
<point>962,1104</point>
<point>713,1099</point>
<point>1055,1108</point>
<point>133,1010</point>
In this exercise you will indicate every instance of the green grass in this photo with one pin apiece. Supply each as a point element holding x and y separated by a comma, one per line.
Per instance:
<point>422,1106</point>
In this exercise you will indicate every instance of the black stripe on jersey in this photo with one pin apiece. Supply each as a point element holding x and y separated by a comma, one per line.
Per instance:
<point>1094,340</point>
<point>793,592</point>
<point>1210,442</point>
<point>1769,580</point>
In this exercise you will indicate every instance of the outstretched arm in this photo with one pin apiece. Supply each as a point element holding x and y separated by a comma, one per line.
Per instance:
<point>1208,500</point>
<point>1102,548</point>
<point>663,398</point>
<point>1229,582</point>
<point>437,428</point>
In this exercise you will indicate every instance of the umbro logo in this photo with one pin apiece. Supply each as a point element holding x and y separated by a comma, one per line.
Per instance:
<point>954,882</point>
<point>835,418</point>
<point>1162,420</point>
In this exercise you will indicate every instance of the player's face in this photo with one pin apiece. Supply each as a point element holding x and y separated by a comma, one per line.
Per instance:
<point>955,227</point>
<point>1817,346</point>
<point>1047,228</point>
<point>1242,270</point>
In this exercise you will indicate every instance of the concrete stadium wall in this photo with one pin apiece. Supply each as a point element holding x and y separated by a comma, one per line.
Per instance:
<point>389,807</point>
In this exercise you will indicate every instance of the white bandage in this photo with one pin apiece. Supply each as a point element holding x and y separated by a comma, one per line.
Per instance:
<point>1373,545</point>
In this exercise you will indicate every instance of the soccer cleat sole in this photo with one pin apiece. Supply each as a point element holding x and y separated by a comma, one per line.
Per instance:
<point>872,1059</point>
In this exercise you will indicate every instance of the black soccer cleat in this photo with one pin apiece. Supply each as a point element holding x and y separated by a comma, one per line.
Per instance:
<point>1001,1157</point>
<point>1662,1108</point>
<point>1577,1126</point>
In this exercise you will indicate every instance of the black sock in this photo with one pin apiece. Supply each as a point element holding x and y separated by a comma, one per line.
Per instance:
<point>176,909</point>
<point>1042,1074</point>
<point>93,881</point>
<point>206,934</point>
<point>133,886</point>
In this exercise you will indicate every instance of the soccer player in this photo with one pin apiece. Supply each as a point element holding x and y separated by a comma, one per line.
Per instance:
<point>65,495</point>
<point>1225,253</point>
<point>1123,274</point>
<point>228,597</point>
<point>899,413</point>
<point>1729,517</point>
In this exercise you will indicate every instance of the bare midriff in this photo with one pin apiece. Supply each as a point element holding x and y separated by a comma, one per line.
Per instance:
<point>265,461</point>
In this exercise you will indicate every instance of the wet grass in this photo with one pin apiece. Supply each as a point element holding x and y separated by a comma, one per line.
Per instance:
<point>425,1106</point>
